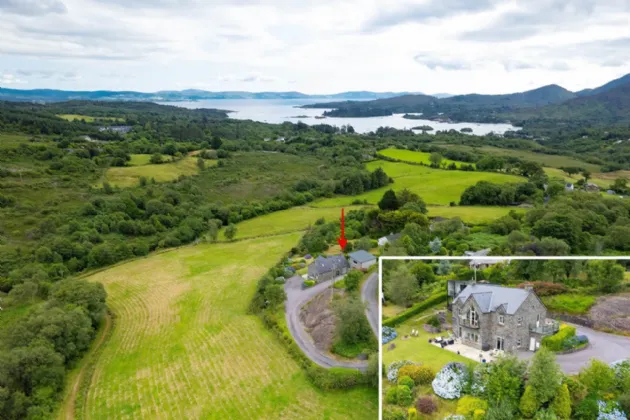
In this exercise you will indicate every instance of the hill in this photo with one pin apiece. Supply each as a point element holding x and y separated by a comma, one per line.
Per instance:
<point>53,95</point>
<point>608,86</point>
<point>457,107</point>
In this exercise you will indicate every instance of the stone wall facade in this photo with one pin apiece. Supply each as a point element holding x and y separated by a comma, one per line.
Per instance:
<point>496,329</point>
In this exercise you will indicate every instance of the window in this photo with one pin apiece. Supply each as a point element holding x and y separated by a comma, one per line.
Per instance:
<point>519,321</point>
<point>474,318</point>
<point>501,319</point>
<point>518,343</point>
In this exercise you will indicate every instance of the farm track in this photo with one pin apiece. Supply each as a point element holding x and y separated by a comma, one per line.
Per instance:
<point>67,410</point>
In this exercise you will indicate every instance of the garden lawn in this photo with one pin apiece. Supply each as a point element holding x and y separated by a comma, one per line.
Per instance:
<point>184,345</point>
<point>603,180</point>
<point>416,157</point>
<point>129,176</point>
<point>418,349</point>
<point>285,221</point>
<point>435,186</point>
<point>472,214</point>
<point>573,303</point>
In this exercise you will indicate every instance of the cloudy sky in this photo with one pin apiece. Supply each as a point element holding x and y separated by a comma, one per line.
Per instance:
<point>431,46</point>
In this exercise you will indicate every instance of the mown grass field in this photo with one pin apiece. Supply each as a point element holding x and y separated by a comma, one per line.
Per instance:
<point>137,160</point>
<point>9,141</point>
<point>601,179</point>
<point>435,186</point>
<point>415,157</point>
<point>472,214</point>
<point>290,220</point>
<point>87,118</point>
<point>183,345</point>
<point>553,161</point>
<point>129,176</point>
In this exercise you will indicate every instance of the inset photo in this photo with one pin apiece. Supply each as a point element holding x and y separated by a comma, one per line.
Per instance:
<point>499,338</point>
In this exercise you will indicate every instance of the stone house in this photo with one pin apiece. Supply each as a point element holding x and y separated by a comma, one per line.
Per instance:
<point>327,268</point>
<point>488,316</point>
<point>391,238</point>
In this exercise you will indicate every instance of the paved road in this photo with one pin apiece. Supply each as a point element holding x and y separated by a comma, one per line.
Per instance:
<point>296,298</point>
<point>603,346</point>
<point>369,296</point>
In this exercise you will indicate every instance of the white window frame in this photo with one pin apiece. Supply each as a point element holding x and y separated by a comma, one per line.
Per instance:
<point>501,319</point>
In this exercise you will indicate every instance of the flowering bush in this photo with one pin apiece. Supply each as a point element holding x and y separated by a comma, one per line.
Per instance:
<point>426,404</point>
<point>449,381</point>
<point>610,410</point>
<point>392,370</point>
<point>421,375</point>
<point>388,334</point>
<point>455,417</point>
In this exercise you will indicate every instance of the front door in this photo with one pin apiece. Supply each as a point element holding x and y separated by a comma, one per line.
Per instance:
<point>499,343</point>
<point>532,344</point>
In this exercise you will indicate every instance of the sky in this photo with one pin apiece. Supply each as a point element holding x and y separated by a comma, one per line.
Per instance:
<point>323,46</point>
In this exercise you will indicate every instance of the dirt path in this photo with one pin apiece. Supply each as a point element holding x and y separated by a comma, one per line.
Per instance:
<point>66,411</point>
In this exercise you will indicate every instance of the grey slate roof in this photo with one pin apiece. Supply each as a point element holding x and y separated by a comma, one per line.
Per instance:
<point>323,265</point>
<point>490,296</point>
<point>393,237</point>
<point>482,253</point>
<point>361,256</point>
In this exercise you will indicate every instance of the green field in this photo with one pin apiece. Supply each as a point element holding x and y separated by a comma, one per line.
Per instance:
<point>138,160</point>
<point>9,141</point>
<point>183,345</point>
<point>416,157</point>
<point>87,118</point>
<point>129,176</point>
<point>435,186</point>
<point>553,161</point>
<point>285,221</point>
<point>601,179</point>
<point>472,214</point>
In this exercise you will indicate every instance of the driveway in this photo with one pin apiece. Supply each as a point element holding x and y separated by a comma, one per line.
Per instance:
<point>296,298</point>
<point>603,346</point>
<point>370,297</point>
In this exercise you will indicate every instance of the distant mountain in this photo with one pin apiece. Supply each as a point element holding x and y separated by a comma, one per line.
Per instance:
<point>454,106</point>
<point>52,95</point>
<point>610,85</point>
<point>550,101</point>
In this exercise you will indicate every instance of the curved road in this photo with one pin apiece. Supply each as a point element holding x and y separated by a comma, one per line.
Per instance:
<point>369,296</point>
<point>298,297</point>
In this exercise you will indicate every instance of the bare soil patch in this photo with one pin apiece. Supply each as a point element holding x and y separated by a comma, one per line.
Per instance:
<point>612,312</point>
<point>319,320</point>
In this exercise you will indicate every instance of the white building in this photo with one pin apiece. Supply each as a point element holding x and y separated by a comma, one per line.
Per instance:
<point>361,260</point>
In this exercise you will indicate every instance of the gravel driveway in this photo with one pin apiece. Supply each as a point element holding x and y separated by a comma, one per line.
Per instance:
<point>369,296</point>
<point>603,346</point>
<point>296,298</point>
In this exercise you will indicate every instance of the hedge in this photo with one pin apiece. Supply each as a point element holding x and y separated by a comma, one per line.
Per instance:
<point>556,342</point>
<point>415,309</point>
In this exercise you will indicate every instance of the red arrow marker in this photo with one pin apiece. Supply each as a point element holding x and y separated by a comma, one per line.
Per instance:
<point>342,241</point>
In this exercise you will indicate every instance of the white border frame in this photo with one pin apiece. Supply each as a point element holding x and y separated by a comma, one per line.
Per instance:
<point>455,258</point>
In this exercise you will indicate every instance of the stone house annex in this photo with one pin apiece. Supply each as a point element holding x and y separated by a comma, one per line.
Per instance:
<point>489,316</point>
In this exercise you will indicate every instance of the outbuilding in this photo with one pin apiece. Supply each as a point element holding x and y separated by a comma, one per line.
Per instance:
<point>361,260</point>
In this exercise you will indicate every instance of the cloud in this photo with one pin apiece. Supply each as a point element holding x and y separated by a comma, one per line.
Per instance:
<point>10,79</point>
<point>537,17</point>
<point>33,7</point>
<point>445,63</point>
<point>390,16</point>
<point>249,78</point>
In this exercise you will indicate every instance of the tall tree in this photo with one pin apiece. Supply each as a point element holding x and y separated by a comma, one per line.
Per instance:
<point>544,376</point>
<point>389,201</point>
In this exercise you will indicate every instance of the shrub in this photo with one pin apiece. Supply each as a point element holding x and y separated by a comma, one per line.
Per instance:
<point>450,380</point>
<point>467,405</point>
<point>622,376</point>
<point>412,414</point>
<point>392,369</point>
<point>414,310</point>
<point>309,283</point>
<point>587,409</point>
<point>543,288</point>
<point>598,377</point>
<point>624,402</point>
<point>529,405</point>
<point>562,402</point>
<point>479,414</point>
<point>557,341</point>
<point>434,322</point>
<point>421,375</point>
<point>400,395</point>
<point>610,410</point>
<point>405,381</point>
<point>389,334</point>
<point>426,404</point>
<point>394,413</point>
<point>577,390</point>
